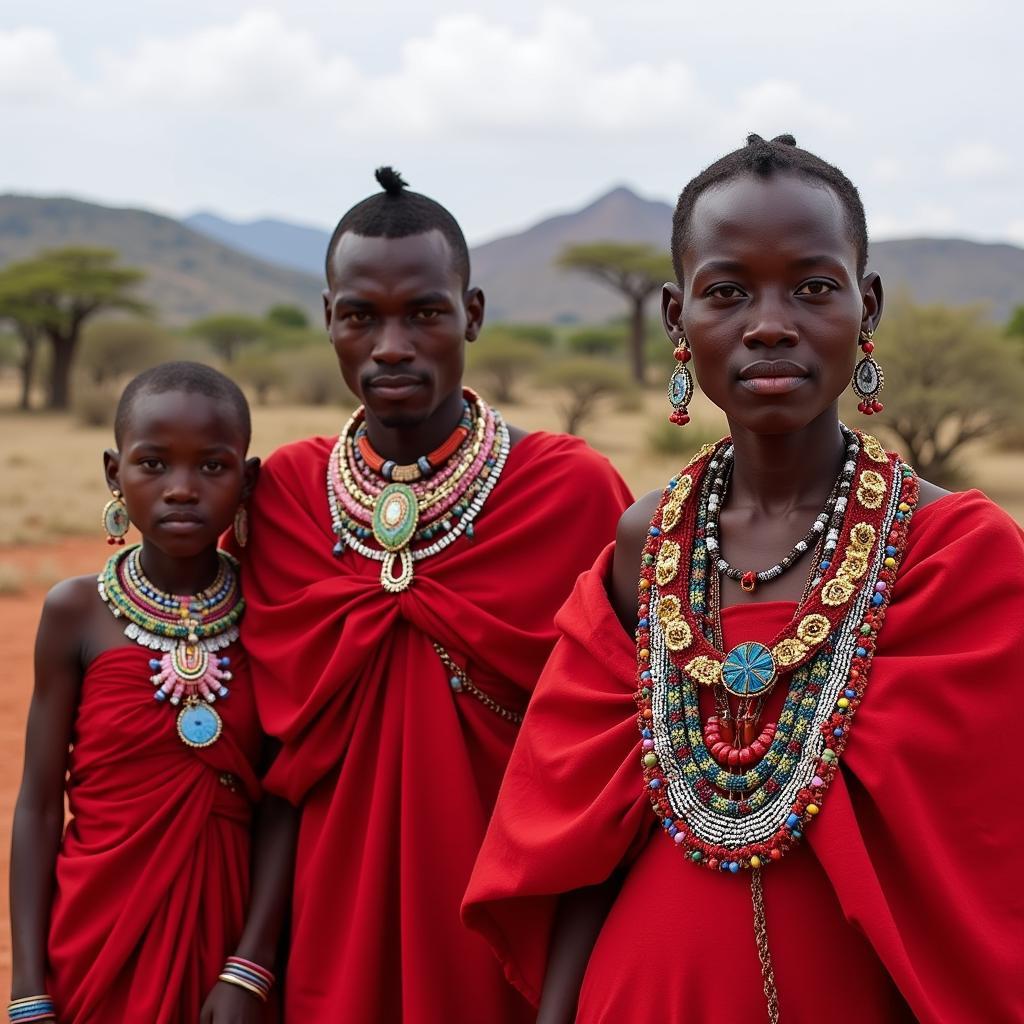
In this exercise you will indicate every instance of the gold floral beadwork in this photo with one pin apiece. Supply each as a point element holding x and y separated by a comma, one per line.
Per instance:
<point>870,489</point>
<point>668,562</point>
<point>862,536</point>
<point>853,566</point>
<point>704,449</point>
<point>669,608</point>
<point>873,448</point>
<point>705,671</point>
<point>789,651</point>
<point>837,591</point>
<point>813,629</point>
<point>677,635</point>
<point>672,511</point>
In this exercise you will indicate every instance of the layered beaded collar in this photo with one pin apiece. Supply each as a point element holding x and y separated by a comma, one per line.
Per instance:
<point>730,821</point>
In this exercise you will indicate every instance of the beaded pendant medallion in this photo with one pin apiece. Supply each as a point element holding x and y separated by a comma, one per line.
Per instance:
<point>369,497</point>
<point>728,807</point>
<point>186,632</point>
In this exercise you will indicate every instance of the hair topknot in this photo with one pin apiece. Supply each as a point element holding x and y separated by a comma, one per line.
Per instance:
<point>763,158</point>
<point>391,181</point>
<point>396,213</point>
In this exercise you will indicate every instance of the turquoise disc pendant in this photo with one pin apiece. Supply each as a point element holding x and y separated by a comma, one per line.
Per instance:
<point>198,724</point>
<point>748,670</point>
<point>395,515</point>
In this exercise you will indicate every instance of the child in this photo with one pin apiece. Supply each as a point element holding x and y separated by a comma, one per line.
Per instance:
<point>809,858</point>
<point>143,715</point>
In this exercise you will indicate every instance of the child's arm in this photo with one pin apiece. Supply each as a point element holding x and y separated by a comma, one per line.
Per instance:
<point>39,812</point>
<point>273,864</point>
<point>578,921</point>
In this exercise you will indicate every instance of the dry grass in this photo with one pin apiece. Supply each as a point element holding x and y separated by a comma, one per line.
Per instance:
<point>53,483</point>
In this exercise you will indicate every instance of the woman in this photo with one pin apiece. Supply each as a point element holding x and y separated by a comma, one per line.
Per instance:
<point>800,655</point>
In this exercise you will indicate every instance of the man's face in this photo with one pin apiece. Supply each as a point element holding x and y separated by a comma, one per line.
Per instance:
<point>398,317</point>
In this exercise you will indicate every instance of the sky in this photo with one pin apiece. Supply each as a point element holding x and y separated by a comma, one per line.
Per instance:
<point>507,113</point>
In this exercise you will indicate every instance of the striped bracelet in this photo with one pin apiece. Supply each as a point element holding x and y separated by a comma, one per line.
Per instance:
<point>31,1008</point>
<point>245,974</point>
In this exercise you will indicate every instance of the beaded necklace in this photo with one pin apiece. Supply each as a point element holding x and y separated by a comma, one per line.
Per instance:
<point>188,629</point>
<point>415,520</point>
<point>746,815</point>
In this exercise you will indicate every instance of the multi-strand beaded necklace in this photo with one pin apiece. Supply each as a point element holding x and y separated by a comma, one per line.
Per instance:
<point>732,800</point>
<point>188,629</point>
<point>413,512</point>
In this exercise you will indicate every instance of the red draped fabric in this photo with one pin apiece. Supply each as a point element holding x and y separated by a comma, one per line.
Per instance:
<point>397,773</point>
<point>904,902</point>
<point>153,872</point>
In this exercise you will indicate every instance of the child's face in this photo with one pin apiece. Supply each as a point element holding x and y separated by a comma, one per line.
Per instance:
<point>771,302</point>
<point>181,469</point>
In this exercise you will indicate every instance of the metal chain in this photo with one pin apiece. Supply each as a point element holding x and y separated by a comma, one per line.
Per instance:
<point>465,683</point>
<point>764,954</point>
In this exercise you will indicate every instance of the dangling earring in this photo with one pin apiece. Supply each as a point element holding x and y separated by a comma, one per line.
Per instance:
<point>115,518</point>
<point>680,385</point>
<point>241,526</point>
<point>868,379</point>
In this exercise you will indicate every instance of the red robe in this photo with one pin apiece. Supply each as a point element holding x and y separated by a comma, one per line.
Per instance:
<point>396,773</point>
<point>903,904</point>
<point>153,872</point>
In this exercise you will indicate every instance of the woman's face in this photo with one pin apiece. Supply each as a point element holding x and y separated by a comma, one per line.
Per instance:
<point>771,303</point>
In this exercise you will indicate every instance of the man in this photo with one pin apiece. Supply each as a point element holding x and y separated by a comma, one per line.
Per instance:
<point>402,581</point>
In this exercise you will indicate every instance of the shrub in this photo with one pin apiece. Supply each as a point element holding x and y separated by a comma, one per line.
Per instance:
<point>312,377</point>
<point>499,362</point>
<point>113,348</point>
<point>585,385</point>
<point>597,341</point>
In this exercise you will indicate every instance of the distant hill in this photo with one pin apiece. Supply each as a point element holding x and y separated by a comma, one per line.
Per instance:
<point>276,241</point>
<point>198,269</point>
<point>188,275</point>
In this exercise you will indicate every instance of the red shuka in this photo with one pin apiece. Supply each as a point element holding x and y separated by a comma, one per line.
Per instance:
<point>904,902</point>
<point>153,872</point>
<point>396,773</point>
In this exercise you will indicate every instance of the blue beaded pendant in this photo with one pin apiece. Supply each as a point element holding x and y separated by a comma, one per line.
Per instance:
<point>395,515</point>
<point>198,724</point>
<point>748,670</point>
<point>680,387</point>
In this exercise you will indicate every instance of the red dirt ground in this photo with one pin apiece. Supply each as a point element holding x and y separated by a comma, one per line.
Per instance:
<point>18,617</point>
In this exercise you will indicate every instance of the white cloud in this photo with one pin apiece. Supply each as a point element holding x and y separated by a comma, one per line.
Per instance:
<point>259,61</point>
<point>1015,231</point>
<point>32,69</point>
<point>888,169</point>
<point>775,106</point>
<point>927,219</point>
<point>974,161</point>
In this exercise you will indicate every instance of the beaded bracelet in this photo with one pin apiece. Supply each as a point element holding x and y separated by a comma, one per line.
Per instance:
<point>30,1008</point>
<point>245,974</point>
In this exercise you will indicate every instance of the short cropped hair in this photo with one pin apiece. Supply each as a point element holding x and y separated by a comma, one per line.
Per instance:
<point>396,213</point>
<point>192,378</point>
<point>762,158</point>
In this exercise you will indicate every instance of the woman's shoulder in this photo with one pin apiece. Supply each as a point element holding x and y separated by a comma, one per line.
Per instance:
<point>70,599</point>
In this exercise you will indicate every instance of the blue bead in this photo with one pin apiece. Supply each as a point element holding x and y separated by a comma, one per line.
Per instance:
<point>338,549</point>
<point>647,734</point>
<point>672,830</point>
<point>160,695</point>
<point>797,834</point>
<point>899,517</point>
<point>667,822</point>
<point>223,692</point>
<point>672,484</point>
<point>724,866</point>
<point>861,652</point>
<point>824,565</point>
<point>655,783</point>
<point>469,530</point>
<point>224,662</point>
<point>890,551</point>
<point>643,623</point>
<point>154,664</point>
<point>837,732</point>
<point>645,675</point>
<point>792,821</point>
<point>849,694</point>
<point>877,600</point>
<point>734,866</point>
<point>654,531</point>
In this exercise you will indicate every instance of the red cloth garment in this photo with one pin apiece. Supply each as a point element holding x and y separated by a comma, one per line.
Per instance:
<point>396,773</point>
<point>904,902</point>
<point>153,872</point>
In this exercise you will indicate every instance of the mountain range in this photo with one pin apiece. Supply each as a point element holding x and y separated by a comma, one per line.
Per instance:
<point>206,263</point>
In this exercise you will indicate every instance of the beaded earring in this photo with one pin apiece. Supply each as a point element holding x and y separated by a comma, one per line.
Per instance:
<point>115,519</point>
<point>241,526</point>
<point>680,385</point>
<point>868,379</point>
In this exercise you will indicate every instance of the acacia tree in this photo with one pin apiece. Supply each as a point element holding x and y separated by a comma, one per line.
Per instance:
<point>585,384</point>
<point>951,378</point>
<point>635,271</point>
<point>226,333</point>
<point>53,296</point>
<point>500,359</point>
<point>22,292</point>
